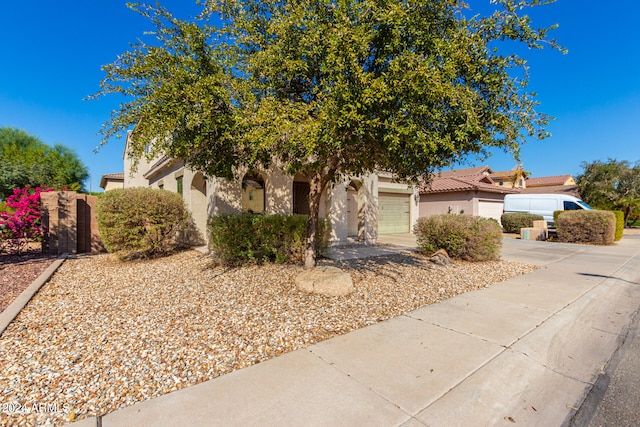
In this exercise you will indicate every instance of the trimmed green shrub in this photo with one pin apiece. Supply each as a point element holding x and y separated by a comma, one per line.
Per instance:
<point>512,222</point>
<point>462,236</point>
<point>555,216</point>
<point>586,226</point>
<point>239,239</point>
<point>141,222</point>
<point>619,225</point>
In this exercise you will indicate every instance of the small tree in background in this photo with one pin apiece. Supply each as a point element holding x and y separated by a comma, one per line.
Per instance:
<point>611,185</point>
<point>327,89</point>
<point>27,161</point>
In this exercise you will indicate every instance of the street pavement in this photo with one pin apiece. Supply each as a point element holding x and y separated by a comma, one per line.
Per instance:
<point>615,397</point>
<point>526,351</point>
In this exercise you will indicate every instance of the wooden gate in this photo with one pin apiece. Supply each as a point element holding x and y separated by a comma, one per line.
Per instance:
<point>71,223</point>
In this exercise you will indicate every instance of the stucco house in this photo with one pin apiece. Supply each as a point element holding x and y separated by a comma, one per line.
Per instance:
<point>469,191</point>
<point>358,209</point>
<point>560,184</point>
<point>110,181</point>
<point>480,191</point>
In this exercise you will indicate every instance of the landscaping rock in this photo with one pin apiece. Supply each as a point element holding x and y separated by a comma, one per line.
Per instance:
<point>440,257</point>
<point>147,328</point>
<point>329,281</point>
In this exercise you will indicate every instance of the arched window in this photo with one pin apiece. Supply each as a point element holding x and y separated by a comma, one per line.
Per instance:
<point>253,193</point>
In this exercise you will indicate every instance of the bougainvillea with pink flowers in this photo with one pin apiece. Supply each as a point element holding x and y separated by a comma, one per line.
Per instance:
<point>20,222</point>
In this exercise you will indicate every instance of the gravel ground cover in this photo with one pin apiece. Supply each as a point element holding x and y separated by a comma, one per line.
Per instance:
<point>104,334</point>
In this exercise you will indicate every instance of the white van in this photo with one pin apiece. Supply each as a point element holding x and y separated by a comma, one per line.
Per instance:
<point>542,204</point>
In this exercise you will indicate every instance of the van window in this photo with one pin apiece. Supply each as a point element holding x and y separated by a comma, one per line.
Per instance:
<point>571,206</point>
<point>583,205</point>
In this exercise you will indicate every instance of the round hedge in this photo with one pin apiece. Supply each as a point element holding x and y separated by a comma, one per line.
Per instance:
<point>466,237</point>
<point>141,222</point>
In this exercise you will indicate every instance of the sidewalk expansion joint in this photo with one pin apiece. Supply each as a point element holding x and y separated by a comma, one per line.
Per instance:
<point>581,251</point>
<point>348,375</point>
<point>469,334</point>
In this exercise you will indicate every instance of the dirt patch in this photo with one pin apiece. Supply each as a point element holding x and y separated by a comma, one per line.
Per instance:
<point>18,272</point>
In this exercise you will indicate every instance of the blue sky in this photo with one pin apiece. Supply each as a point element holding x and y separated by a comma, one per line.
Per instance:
<point>52,53</point>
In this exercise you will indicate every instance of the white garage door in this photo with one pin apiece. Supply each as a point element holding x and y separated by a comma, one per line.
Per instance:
<point>393,213</point>
<point>490,209</point>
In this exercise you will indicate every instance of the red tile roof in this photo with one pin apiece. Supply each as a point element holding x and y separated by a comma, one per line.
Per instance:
<point>478,170</point>
<point>119,175</point>
<point>112,176</point>
<point>450,185</point>
<point>548,180</point>
<point>571,190</point>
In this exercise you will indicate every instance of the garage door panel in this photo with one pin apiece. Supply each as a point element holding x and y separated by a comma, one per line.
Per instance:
<point>490,209</point>
<point>393,213</point>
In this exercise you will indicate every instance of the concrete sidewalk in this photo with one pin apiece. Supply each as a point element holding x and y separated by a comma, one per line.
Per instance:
<point>524,351</point>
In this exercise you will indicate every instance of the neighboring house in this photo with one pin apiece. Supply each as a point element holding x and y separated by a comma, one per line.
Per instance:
<point>465,172</point>
<point>514,178</point>
<point>469,191</point>
<point>112,180</point>
<point>477,191</point>
<point>560,184</point>
<point>480,191</point>
<point>359,209</point>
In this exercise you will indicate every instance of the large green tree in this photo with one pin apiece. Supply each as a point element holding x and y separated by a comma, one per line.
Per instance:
<point>611,185</point>
<point>25,160</point>
<point>328,88</point>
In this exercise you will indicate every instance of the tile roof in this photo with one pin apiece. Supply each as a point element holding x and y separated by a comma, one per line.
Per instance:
<point>449,185</point>
<point>571,190</point>
<point>548,180</point>
<point>478,170</point>
<point>118,175</point>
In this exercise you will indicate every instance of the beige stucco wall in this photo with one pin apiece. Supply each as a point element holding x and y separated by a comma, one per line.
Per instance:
<point>134,173</point>
<point>223,196</point>
<point>455,202</point>
<point>113,184</point>
<point>335,207</point>
<point>336,212</point>
<point>484,196</point>
<point>167,178</point>
<point>442,203</point>
<point>133,177</point>
<point>279,192</point>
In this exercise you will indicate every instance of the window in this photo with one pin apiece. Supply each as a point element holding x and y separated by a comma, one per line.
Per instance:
<point>179,185</point>
<point>301,198</point>
<point>253,193</point>
<point>571,206</point>
<point>161,186</point>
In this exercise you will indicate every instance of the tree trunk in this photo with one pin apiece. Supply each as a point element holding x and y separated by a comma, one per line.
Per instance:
<point>316,187</point>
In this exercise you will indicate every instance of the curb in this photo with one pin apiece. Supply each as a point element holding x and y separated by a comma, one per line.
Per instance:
<point>10,313</point>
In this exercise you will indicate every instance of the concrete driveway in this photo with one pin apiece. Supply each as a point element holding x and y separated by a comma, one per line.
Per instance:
<point>407,240</point>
